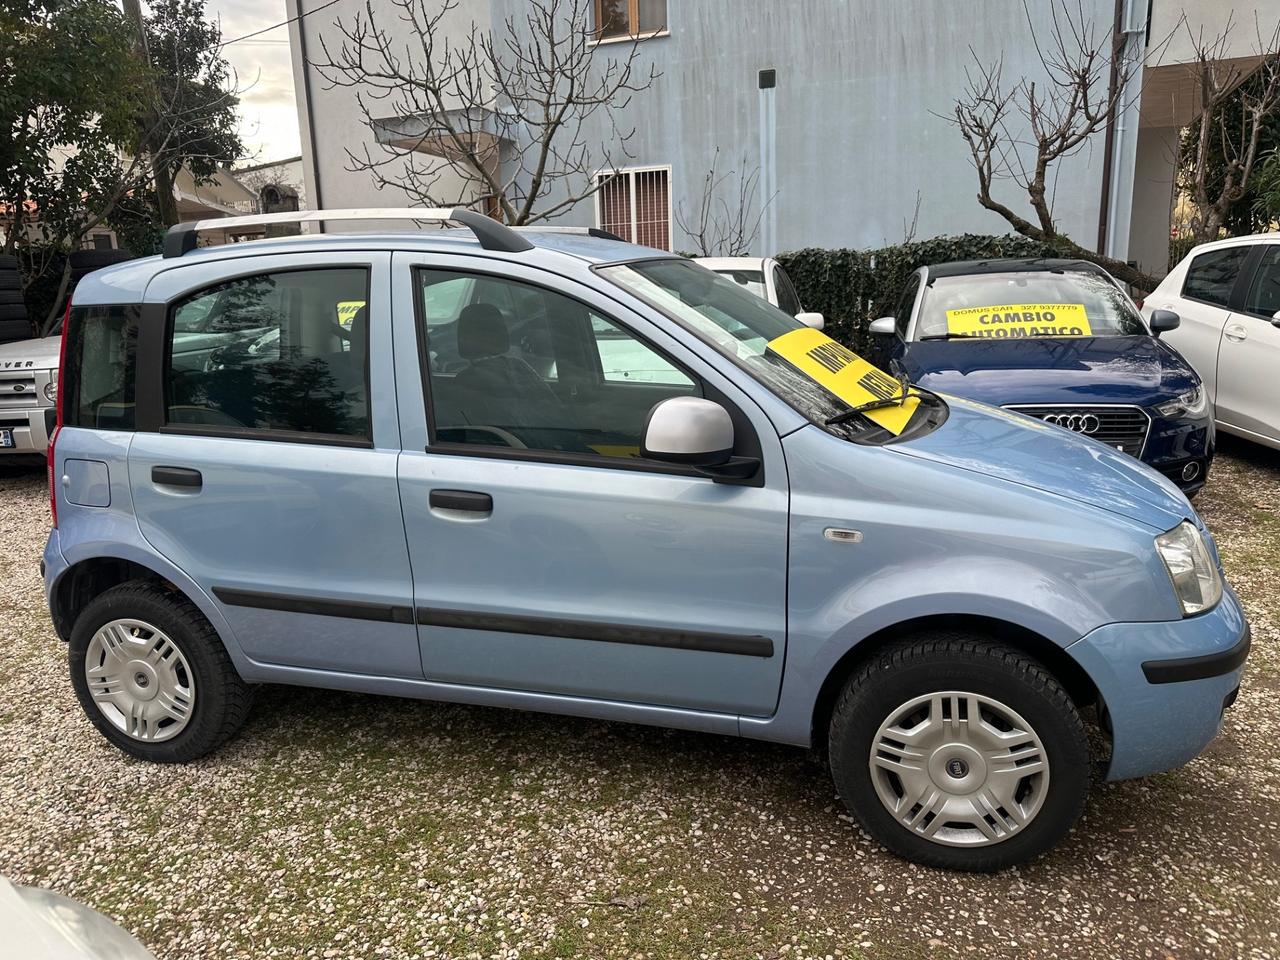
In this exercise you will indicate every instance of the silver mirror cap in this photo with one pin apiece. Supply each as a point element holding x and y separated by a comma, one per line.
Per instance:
<point>882,327</point>
<point>810,319</point>
<point>689,430</point>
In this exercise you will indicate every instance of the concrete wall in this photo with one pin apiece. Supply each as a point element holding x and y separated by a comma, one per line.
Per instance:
<point>333,117</point>
<point>1153,181</point>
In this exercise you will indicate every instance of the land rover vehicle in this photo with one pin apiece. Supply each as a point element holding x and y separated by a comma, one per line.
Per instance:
<point>1061,341</point>
<point>775,540</point>
<point>1228,295</point>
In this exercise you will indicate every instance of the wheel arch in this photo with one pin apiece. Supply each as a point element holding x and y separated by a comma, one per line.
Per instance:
<point>1074,679</point>
<point>76,587</point>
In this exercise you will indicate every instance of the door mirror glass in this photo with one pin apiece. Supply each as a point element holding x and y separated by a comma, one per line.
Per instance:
<point>811,319</point>
<point>1162,321</point>
<point>689,430</point>
<point>881,327</point>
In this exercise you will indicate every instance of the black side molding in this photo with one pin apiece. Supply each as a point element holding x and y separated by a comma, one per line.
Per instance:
<point>1198,668</point>
<point>738,644</point>
<point>350,609</point>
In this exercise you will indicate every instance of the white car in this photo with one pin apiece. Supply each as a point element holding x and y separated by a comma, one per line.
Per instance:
<point>1228,296</point>
<point>764,277</point>
<point>43,925</point>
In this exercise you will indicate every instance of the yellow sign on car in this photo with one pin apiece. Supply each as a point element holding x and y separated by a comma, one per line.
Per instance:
<point>1012,320</point>
<point>347,311</point>
<point>844,373</point>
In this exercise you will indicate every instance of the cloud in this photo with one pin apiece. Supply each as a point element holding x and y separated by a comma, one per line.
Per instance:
<point>269,118</point>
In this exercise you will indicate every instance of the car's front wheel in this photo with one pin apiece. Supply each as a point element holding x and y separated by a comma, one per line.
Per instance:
<point>153,676</point>
<point>959,753</point>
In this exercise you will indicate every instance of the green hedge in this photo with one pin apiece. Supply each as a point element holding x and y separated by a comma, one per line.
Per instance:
<point>853,287</point>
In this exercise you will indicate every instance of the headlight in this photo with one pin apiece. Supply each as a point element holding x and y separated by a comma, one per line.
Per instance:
<point>1191,404</point>
<point>1191,568</point>
<point>51,388</point>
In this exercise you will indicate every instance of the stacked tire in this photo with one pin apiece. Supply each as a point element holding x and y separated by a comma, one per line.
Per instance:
<point>14,324</point>
<point>84,262</point>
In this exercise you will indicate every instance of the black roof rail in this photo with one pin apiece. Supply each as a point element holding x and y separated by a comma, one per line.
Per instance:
<point>181,238</point>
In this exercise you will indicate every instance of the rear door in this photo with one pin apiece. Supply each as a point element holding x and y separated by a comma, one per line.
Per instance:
<point>1204,304</point>
<point>1249,357</point>
<point>548,556</point>
<point>269,475</point>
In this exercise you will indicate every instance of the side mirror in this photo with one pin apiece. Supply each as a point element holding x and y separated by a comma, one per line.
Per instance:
<point>1162,321</point>
<point>688,430</point>
<point>882,327</point>
<point>1275,319</point>
<point>814,320</point>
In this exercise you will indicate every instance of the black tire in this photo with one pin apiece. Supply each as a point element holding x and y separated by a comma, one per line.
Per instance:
<point>8,297</point>
<point>956,661</point>
<point>222,699</point>
<point>10,280</point>
<point>11,330</point>
<point>8,262</point>
<point>86,261</point>
<point>13,311</point>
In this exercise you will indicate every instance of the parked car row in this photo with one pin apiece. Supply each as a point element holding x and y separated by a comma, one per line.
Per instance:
<point>560,472</point>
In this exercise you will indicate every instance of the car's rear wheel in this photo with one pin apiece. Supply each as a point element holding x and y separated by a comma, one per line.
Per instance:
<point>153,676</point>
<point>959,753</point>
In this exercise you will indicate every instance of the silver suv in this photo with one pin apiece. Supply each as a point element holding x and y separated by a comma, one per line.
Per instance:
<point>28,389</point>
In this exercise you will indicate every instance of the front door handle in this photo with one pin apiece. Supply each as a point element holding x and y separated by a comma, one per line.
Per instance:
<point>1236,332</point>
<point>177,477</point>
<point>466,500</point>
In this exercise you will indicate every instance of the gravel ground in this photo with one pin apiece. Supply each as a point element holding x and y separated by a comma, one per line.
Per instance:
<point>349,826</point>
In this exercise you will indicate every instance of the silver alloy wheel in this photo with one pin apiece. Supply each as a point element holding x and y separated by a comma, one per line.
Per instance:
<point>140,680</point>
<point>959,769</point>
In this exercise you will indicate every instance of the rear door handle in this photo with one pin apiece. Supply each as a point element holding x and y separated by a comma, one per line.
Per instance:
<point>177,477</point>
<point>1237,332</point>
<point>466,500</point>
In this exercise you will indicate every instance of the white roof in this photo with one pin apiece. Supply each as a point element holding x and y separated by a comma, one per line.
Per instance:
<point>731,263</point>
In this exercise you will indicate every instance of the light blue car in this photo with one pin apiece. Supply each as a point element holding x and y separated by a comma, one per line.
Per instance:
<point>442,482</point>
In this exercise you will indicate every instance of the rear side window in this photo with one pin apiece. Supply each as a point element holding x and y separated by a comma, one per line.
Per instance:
<point>275,353</point>
<point>1211,275</point>
<point>101,359</point>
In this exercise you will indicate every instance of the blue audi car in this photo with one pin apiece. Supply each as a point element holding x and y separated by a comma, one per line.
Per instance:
<point>1061,341</point>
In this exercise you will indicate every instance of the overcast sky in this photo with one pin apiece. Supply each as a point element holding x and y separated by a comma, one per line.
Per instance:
<point>269,116</point>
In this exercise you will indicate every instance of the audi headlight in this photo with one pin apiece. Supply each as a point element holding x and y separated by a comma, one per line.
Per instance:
<point>51,388</point>
<point>1190,404</point>
<point>1195,576</point>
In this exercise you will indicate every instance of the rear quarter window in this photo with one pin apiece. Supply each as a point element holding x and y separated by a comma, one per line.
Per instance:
<point>101,361</point>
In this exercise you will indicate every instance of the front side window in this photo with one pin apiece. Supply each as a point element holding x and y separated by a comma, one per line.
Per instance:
<point>906,303</point>
<point>101,352</point>
<point>616,19</point>
<point>788,301</point>
<point>1026,304</point>
<point>1211,275</point>
<point>636,205</point>
<point>278,353</point>
<point>515,366</point>
<point>1263,299</point>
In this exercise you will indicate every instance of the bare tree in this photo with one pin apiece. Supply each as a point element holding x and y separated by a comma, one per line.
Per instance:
<point>1086,77</point>
<point>721,227</point>
<point>509,111</point>
<point>1226,146</point>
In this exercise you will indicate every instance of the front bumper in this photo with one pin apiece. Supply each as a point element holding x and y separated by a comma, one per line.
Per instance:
<point>1165,685</point>
<point>1181,449</point>
<point>31,428</point>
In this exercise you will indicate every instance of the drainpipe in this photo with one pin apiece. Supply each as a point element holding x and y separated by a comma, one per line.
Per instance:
<point>315,198</point>
<point>1120,160</point>
<point>768,81</point>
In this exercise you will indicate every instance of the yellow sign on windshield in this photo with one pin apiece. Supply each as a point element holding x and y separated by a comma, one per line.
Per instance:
<point>844,373</point>
<point>1013,320</point>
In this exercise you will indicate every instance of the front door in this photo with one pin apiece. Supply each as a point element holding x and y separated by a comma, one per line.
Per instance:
<point>269,475</point>
<point>547,555</point>
<point>1249,358</point>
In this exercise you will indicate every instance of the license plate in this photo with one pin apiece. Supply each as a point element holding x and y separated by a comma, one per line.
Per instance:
<point>6,437</point>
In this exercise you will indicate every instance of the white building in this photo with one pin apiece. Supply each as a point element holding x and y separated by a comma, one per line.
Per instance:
<point>842,106</point>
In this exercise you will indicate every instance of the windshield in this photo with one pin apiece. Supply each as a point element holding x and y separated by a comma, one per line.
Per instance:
<point>1022,304</point>
<point>740,325</point>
